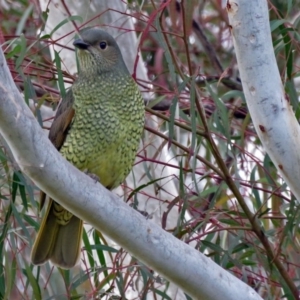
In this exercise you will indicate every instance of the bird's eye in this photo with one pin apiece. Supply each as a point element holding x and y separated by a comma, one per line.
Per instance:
<point>103,45</point>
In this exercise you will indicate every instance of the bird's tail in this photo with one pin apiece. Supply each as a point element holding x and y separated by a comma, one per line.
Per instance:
<point>58,240</point>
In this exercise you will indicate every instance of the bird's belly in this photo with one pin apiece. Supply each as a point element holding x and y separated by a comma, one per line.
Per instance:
<point>111,167</point>
<point>109,156</point>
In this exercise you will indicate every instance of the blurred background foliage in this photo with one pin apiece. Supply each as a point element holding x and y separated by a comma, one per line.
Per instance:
<point>226,183</point>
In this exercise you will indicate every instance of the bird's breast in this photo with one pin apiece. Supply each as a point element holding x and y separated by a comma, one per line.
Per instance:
<point>105,133</point>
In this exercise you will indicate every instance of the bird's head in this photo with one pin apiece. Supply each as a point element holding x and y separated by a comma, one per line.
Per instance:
<point>98,51</point>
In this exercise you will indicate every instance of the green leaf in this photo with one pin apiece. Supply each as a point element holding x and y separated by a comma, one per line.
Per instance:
<point>164,45</point>
<point>100,253</point>
<point>174,107</point>
<point>10,274</point>
<point>213,246</point>
<point>18,185</point>
<point>78,280</point>
<point>29,91</point>
<point>33,282</point>
<point>60,77</point>
<point>65,21</point>
<point>88,248</point>
<point>23,51</point>
<point>104,248</point>
<point>161,294</point>
<point>25,15</point>
<point>19,219</point>
<point>274,24</point>
<point>221,117</point>
<point>142,186</point>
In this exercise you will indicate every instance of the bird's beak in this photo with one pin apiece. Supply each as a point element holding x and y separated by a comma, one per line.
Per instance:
<point>80,44</point>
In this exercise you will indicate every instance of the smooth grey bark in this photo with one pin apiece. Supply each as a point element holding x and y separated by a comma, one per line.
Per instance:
<point>270,110</point>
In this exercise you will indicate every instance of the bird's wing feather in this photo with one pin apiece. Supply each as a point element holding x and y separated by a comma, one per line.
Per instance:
<point>60,127</point>
<point>62,121</point>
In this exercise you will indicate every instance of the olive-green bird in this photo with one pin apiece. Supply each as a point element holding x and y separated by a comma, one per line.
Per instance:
<point>97,128</point>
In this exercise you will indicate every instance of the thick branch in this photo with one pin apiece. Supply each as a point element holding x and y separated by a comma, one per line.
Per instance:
<point>196,274</point>
<point>270,110</point>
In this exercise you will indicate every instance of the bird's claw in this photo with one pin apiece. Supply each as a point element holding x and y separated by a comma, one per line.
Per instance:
<point>92,175</point>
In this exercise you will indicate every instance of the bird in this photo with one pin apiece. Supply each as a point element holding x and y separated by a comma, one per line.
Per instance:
<point>98,128</point>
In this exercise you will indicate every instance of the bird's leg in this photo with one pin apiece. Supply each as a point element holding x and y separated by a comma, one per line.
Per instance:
<point>91,175</point>
<point>142,212</point>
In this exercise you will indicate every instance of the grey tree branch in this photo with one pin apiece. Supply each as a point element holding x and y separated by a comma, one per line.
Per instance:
<point>37,158</point>
<point>270,110</point>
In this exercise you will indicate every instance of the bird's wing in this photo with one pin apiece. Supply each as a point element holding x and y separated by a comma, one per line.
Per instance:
<point>60,127</point>
<point>62,121</point>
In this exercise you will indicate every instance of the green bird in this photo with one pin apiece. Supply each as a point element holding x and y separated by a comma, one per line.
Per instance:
<point>97,128</point>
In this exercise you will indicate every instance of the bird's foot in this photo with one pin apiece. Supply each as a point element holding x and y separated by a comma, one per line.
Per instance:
<point>92,175</point>
<point>142,212</point>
